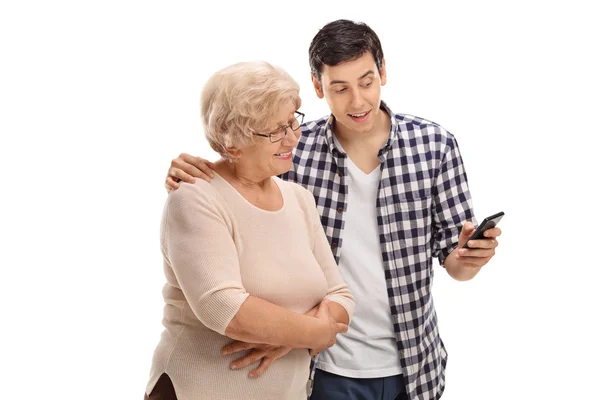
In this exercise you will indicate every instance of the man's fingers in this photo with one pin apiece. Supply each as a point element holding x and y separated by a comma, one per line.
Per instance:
<point>262,368</point>
<point>483,244</point>
<point>492,233</point>
<point>207,168</point>
<point>202,171</point>
<point>188,171</point>
<point>184,158</point>
<point>170,184</point>
<point>248,359</point>
<point>207,171</point>
<point>201,164</point>
<point>236,346</point>
<point>177,173</point>
<point>476,253</point>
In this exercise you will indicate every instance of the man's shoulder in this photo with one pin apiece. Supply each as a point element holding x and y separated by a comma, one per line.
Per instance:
<point>312,139</point>
<point>413,130</point>
<point>413,123</point>
<point>311,129</point>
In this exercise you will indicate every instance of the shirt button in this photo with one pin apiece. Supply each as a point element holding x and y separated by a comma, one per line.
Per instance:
<point>340,209</point>
<point>333,245</point>
<point>339,173</point>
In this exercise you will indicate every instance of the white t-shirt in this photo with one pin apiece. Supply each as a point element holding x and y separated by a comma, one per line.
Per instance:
<point>368,349</point>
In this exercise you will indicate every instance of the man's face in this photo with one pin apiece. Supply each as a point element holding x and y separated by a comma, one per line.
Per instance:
<point>353,91</point>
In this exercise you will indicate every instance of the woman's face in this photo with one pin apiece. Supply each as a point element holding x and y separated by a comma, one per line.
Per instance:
<point>264,158</point>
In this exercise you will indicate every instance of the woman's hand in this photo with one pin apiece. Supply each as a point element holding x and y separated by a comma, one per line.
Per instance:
<point>265,353</point>
<point>325,337</point>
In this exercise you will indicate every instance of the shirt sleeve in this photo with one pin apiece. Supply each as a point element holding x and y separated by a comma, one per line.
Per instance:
<point>338,290</point>
<point>452,201</point>
<point>198,245</point>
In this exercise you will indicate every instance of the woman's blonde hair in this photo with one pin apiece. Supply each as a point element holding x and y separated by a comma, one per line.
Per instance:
<point>240,99</point>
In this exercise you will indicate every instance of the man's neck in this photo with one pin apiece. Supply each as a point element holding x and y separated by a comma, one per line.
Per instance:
<point>363,147</point>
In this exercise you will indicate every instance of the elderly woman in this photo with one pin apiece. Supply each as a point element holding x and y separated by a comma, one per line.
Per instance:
<point>245,256</point>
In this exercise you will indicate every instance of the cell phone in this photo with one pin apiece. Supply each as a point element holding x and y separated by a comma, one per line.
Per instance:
<point>487,223</point>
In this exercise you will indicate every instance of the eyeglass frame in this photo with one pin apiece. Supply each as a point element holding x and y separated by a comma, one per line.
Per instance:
<point>285,128</point>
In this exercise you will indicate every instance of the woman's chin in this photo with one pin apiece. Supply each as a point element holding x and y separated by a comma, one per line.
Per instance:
<point>281,167</point>
<point>286,168</point>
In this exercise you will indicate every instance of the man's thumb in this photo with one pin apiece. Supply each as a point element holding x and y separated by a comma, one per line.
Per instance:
<point>467,230</point>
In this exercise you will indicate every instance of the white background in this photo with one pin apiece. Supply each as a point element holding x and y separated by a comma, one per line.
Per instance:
<point>96,98</point>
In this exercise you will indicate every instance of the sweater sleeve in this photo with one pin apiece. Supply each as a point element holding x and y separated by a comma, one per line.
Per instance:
<point>338,290</point>
<point>197,243</point>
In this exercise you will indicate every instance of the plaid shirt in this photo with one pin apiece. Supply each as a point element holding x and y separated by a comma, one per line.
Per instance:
<point>422,202</point>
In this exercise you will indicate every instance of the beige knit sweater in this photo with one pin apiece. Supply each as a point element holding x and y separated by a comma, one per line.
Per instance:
<point>218,249</point>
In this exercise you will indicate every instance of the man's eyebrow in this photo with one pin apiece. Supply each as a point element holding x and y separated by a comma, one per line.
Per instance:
<point>369,72</point>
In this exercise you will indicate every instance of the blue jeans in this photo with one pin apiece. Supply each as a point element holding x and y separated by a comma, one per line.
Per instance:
<point>328,386</point>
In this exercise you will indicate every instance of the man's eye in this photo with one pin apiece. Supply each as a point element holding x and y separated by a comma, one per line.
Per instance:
<point>341,90</point>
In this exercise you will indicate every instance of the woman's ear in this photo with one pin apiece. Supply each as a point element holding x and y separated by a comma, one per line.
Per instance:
<point>234,153</point>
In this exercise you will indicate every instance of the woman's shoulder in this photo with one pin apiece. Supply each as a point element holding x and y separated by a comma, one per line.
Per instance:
<point>304,196</point>
<point>198,195</point>
<point>200,189</point>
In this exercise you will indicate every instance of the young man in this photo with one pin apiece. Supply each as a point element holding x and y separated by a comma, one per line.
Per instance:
<point>392,194</point>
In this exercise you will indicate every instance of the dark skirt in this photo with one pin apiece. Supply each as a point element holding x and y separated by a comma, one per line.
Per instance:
<point>163,390</point>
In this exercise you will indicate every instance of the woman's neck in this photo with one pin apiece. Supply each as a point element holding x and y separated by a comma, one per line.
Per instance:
<point>243,177</point>
<point>262,192</point>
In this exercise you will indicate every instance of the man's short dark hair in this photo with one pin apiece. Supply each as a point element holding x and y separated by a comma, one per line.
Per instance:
<point>341,41</point>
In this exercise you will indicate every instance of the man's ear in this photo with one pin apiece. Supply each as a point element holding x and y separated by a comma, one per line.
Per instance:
<point>383,73</point>
<point>317,86</point>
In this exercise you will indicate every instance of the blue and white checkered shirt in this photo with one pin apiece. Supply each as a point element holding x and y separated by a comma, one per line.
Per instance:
<point>422,203</point>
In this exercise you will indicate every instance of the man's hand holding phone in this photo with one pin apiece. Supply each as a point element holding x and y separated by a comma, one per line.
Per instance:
<point>476,247</point>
